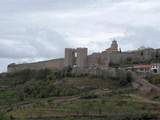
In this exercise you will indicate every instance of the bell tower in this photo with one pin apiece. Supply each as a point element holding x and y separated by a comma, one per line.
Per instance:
<point>114,45</point>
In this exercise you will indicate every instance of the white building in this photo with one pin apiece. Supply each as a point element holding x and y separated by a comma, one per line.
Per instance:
<point>155,68</point>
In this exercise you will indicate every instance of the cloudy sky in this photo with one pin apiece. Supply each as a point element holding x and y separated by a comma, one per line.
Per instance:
<point>32,30</point>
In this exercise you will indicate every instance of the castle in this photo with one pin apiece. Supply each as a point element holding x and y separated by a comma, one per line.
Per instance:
<point>79,57</point>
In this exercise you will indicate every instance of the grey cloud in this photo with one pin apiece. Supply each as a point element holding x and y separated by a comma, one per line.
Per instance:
<point>41,5</point>
<point>48,43</point>
<point>32,43</point>
<point>33,29</point>
<point>140,36</point>
<point>20,6</point>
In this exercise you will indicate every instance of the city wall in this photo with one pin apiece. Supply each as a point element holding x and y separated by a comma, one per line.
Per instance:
<point>79,58</point>
<point>50,64</point>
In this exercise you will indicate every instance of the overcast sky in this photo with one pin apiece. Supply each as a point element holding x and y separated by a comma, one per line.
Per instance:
<point>32,30</point>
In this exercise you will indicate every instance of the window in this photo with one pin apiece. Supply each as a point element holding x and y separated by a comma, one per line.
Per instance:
<point>155,70</point>
<point>142,53</point>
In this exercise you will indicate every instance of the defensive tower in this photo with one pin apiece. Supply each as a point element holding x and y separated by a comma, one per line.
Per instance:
<point>82,57</point>
<point>69,57</point>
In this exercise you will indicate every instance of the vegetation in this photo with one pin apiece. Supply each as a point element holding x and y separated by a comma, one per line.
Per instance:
<point>4,117</point>
<point>7,94</point>
<point>89,96</point>
<point>154,79</point>
<point>63,95</point>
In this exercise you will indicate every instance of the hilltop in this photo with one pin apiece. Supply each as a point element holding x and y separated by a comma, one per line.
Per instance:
<point>111,57</point>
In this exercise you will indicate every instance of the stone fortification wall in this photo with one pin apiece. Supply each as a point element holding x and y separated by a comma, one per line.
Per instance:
<point>107,73</point>
<point>50,64</point>
<point>145,55</point>
<point>94,59</point>
<point>139,56</point>
<point>131,57</point>
<point>114,58</point>
<point>158,51</point>
<point>127,57</point>
<point>158,55</point>
<point>69,57</point>
<point>76,57</point>
<point>82,57</point>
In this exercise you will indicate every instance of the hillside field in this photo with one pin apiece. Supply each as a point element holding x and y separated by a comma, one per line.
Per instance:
<point>52,95</point>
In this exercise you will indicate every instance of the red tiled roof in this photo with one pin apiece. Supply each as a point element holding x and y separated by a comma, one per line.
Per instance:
<point>140,66</point>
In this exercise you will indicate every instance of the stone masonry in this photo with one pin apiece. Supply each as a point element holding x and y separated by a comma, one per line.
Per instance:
<point>79,58</point>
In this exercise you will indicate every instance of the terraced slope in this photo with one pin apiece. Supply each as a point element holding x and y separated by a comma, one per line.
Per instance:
<point>45,97</point>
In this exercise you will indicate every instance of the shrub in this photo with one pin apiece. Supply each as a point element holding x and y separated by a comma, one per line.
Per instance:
<point>127,79</point>
<point>155,79</point>
<point>115,65</point>
<point>44,89</point>
<point>4,117</point>
<point>89,96</point>
<point>65,72</point>
<point>7,94</point>
<point>23,76</point>
<point>122,77</point>
<point>137,115</point>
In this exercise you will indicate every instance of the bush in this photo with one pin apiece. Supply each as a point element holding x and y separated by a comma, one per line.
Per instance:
<point>123,77</point>
<point>44,89</point>
<point>115,65</point>
<point>65,72</point>
<point>23,76</point>
<point>7,94</point>
<point>155,79</point>
<point>89,96</point>
<point>4,117</point>
<point>127,80</point>
<point>137,115</point>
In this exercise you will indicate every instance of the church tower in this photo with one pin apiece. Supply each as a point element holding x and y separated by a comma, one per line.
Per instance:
<point>114,45</point>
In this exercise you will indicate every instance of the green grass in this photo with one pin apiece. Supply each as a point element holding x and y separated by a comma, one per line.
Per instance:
<point>3,116</point>
<point>7,93</point>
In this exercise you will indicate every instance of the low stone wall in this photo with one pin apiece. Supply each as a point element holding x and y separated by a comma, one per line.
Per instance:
<point>50,64</point>
<point>102,73</point>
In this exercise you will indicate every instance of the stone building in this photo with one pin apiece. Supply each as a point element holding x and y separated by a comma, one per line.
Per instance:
<point>114,47</point>
<point>79,58</point>
<point>76,57</point>
<point>155,68</point>
<point>69,57</point>
<point>82,55</point>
